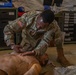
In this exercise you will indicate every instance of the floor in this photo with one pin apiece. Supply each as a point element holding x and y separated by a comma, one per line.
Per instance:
<point>70,54</point>
<point>69,51</point>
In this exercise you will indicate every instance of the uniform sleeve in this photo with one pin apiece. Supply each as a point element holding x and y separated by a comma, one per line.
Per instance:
<point>44,43</point>
<point>13,27</point>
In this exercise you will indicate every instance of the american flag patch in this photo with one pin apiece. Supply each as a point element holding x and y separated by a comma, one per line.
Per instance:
<point>20,23</point>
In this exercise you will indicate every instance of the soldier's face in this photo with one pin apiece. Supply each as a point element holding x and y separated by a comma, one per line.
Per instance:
<point>40,24</point>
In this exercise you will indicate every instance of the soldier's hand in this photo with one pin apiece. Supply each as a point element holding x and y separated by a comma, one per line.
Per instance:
<point>28,53</point>
<point>17,48</point>
<point>37,52</point>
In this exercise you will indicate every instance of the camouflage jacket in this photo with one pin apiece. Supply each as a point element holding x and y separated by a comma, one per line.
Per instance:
<point>32,38</point>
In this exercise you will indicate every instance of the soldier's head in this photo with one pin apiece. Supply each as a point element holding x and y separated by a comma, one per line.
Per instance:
<point>45,18</point>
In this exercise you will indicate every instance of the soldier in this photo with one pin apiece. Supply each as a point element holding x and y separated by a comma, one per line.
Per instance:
<point>38,29</point>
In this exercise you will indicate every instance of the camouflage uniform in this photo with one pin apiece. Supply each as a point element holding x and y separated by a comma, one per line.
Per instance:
<point>32,38</point>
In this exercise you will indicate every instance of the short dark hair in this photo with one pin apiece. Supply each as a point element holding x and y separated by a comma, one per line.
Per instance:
<point>48,16</point>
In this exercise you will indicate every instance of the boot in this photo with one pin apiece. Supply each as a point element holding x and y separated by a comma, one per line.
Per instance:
<point>62,59</point>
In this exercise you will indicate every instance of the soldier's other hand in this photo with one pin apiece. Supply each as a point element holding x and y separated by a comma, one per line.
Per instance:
<point>37,52</point>
<point>28,53</point>
<point>16,48</point>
